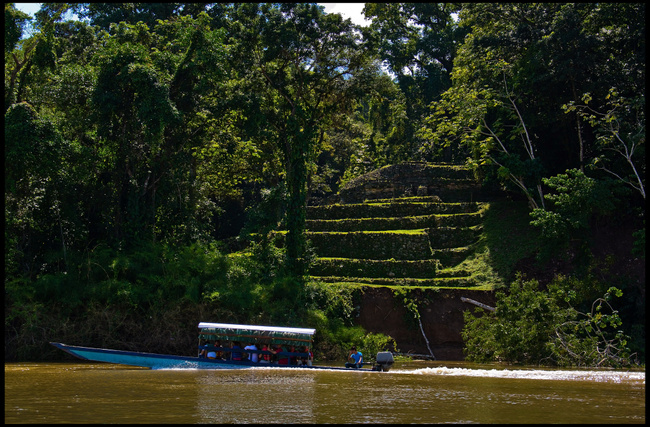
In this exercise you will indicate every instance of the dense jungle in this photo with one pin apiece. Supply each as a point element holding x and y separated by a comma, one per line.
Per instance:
<point>163,163</point>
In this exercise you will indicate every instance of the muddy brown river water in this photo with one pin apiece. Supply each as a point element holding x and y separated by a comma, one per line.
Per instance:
<point>412,392</point>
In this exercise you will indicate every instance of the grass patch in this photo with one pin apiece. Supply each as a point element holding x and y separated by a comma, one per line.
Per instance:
<point>507,238</point>
<point>413,231</point>
<point>362,285</point>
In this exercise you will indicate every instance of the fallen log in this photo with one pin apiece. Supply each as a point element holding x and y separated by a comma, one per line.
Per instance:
<point>479,304</point>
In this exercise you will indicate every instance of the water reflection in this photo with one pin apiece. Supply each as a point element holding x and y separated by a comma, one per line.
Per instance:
<point>255,396</point>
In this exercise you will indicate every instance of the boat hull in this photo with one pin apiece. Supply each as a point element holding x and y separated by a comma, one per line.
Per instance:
<point>148,360</point>
<point>164,361</point>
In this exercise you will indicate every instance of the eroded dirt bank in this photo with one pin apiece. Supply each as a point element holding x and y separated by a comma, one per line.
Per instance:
<point>441,313</point>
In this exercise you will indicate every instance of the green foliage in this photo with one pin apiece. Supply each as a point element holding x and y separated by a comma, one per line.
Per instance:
<point>593,338</point>
<point>306,61</point>
<point>104,14</point>
<point>410,303</point>
<point>620,129</point>
<point>495,102</point>
<point>332,311</point>
<point>33,147</point>
<point>534,326</point>
<point>508,237</point>
<point>576,200</point>
<point>374,343</point>
<point>418,43</point>
<point>15,22</point>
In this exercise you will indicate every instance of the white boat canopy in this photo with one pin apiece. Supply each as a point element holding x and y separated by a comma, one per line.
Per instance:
<point>271,334</point>
<point>307,331</point>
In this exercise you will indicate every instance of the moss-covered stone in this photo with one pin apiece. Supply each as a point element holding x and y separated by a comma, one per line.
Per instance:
<point>388,209</point>
<point>413,224</point>
<point>452,237</point>
<point>395,223</point>
<point>412,179</point>
<point>451,282</point>
<point>390,268</point>
<point>372,244</point>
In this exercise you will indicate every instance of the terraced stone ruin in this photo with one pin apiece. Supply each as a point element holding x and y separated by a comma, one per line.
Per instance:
<point>406,226</point>
<point>410,224</point>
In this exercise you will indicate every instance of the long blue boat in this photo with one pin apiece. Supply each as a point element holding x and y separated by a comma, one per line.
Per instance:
<point>211,332</point>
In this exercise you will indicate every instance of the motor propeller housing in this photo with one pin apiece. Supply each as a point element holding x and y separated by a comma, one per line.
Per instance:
<point>384,361</point>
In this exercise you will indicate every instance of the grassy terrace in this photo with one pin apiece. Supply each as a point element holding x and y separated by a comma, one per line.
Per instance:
<point>451,238</point>
<point>484,287</point>
<point>482,257</point>
<point>397,208</point>
<point>395,223</point>
<point>404,242</point>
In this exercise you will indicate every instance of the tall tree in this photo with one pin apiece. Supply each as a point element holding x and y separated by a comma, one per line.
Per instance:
<point>310,64</point>
<point>534,59</point>
<point>418,43</point>
<point>105,14</point>
<point>15,22</point>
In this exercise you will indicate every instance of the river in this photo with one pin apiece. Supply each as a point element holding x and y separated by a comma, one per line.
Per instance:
<point>412,392</point>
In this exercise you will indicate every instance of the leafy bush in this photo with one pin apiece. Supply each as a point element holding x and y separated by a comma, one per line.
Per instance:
<point>374,343</point>
<point>576,200</point>
<point>592,338</point>
<point>535,326</point>
<point>332,310</point>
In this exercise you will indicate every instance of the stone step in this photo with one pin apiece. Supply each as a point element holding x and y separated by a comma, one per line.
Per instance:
<point>447,190</point>
<point>451,257</point>
<point>388,209</point>
<point>398,244</point>
<point>435,282</point>
<point>375,268</point>
<point>412,179</point>
<point>402,245</point>
<point>453,237</point>
<point>413,199</point>
<point>391,268</point>
<point>411,224</point>
<point>397,223</point>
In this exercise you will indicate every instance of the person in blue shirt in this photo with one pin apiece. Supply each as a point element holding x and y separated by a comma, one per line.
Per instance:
<point>236,355</point>
<point>356,357</point>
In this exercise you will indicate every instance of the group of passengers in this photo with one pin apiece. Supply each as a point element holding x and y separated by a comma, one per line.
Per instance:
<point>267,354</point>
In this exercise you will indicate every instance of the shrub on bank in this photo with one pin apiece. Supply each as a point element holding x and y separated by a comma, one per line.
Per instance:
<point>153,298</point>
<point>541,327</point>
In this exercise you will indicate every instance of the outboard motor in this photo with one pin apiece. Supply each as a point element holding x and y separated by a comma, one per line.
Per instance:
<point>384,361</point>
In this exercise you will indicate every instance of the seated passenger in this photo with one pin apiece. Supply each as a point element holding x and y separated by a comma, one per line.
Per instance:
<point>212,354</point>
<point>236,355</point>
<point>253,357</point>
<point>356,357</point>
<point>217,344</point>
<point>275,358</point>
<point>203,353</point>
<point>265,358</point>
<point>282,359</point>
<point>293,360</point>
<point>306,360</point>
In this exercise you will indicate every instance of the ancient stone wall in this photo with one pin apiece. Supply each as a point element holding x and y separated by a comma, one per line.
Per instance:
<point>405,226</point>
